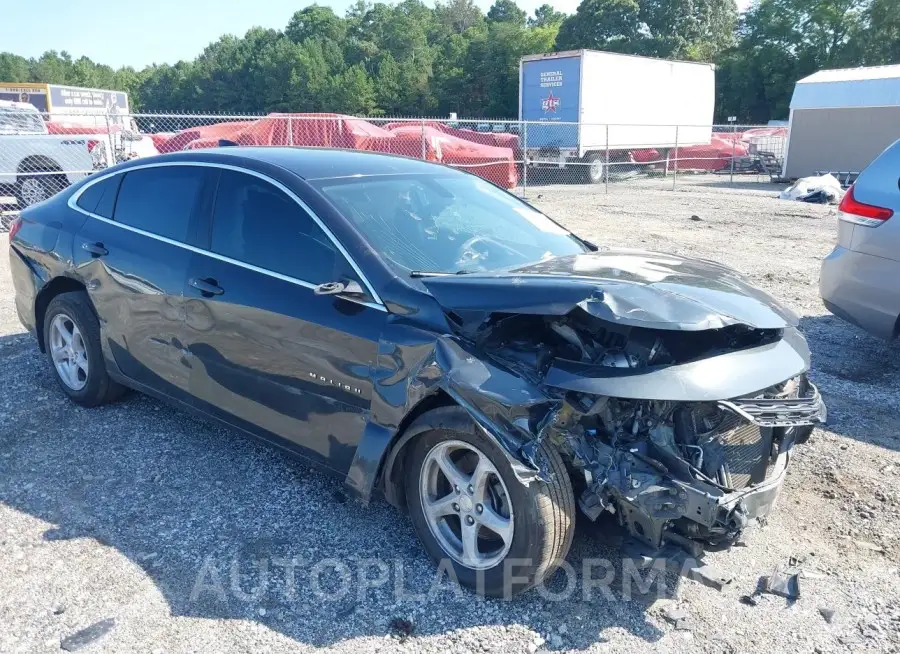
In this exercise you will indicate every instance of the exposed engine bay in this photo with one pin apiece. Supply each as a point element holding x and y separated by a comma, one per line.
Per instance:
<point>670,470</point>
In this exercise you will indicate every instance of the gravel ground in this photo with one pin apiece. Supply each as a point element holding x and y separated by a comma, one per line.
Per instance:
<point>184,533</point>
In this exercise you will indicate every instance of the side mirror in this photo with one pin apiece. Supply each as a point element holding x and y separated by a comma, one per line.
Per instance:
<point>347,287</point>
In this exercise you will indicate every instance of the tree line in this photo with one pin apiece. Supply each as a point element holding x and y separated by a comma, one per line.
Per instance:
<point>411,59</point>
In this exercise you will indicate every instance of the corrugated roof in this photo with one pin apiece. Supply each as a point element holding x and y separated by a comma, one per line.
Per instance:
<point>874,86</point>
<point>852,74</point>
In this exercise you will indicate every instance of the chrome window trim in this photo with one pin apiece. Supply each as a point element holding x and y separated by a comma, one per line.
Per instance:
<point>73,204</point>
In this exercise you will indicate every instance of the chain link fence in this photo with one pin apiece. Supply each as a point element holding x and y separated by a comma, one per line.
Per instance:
<point>40,157</point>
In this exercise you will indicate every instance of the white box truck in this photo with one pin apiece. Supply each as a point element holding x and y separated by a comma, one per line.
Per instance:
<point>587,107</point>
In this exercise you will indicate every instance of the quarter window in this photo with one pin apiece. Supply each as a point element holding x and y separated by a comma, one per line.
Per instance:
<point>100,198</point>
<point>256,223</point>
<point>161,200</point>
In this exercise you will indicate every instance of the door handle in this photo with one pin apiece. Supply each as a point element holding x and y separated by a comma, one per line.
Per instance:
<point>207,287</point>
<point>96,249</point>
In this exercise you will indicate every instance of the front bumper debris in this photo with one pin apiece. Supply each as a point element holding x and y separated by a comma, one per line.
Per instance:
<point>781,412</point>
<point>735,476</point>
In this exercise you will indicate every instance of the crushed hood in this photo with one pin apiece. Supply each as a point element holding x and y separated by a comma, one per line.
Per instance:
<point>628,287</point>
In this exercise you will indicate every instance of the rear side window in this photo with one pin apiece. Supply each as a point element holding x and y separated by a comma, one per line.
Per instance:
<point>161,200</point>
<point>100,198</point>
<point>256,223</point>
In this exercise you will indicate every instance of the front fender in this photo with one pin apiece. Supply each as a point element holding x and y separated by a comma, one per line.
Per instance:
<point>410,374</point>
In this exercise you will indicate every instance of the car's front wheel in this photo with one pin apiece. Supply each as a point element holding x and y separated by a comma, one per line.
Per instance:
<point>500,536</point>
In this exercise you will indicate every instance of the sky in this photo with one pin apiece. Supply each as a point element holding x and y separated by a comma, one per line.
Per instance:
<point>139,33</point>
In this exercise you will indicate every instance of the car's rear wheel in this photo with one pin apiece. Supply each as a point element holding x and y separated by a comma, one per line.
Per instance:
<point>72,342</point>
<point>500,536</point>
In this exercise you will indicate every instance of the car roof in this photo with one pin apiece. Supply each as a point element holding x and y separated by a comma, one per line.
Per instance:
<point>324,163</point>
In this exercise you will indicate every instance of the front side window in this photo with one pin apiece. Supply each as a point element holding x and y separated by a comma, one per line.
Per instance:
<point>447,222</point>
<point>161,200</point>
<point>254,222</point>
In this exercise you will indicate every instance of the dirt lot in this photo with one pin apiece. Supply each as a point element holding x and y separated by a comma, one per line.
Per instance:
<point>167,525</point>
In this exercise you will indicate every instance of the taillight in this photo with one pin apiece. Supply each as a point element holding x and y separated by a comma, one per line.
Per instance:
<point>92,145</point>
<point>854,211</point>
<point>14,227</point>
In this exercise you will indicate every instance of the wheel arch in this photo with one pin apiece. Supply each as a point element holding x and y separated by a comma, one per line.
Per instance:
<point>37,163</point>
<point>53,288</point>
<point>417,422</point>
<point>395,454</point>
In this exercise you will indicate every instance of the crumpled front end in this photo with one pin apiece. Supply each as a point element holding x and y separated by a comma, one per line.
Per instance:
<point>674,389</point>
<point>675,470</point>
<point>666,429</point>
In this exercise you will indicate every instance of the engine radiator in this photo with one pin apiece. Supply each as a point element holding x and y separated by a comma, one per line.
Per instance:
<point>746,450</point>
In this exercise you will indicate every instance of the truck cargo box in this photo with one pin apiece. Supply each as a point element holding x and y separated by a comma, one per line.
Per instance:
<point>578,95</point>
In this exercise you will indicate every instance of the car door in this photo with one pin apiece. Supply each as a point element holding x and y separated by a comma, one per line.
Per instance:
<point>268,353</point>
<point>131,255</point>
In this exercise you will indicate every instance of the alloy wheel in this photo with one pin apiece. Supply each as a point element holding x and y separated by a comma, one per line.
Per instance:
<point>68,352</point>
<point>466,504</point>
<point>33,191</point>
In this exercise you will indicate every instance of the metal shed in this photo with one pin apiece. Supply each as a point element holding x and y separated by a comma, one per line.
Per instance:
<point>842,119</point>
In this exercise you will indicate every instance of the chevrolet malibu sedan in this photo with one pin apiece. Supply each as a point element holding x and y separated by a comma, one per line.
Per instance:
<point>427,337</point>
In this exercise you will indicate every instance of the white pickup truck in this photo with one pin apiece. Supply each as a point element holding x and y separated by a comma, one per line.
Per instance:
<point>35,164</point>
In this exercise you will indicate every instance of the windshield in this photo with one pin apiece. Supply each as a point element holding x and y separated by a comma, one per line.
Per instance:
<point>16,120</point>
<point>449,223</point>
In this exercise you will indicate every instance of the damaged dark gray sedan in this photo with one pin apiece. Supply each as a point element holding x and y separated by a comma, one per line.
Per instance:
<point>426,336</point>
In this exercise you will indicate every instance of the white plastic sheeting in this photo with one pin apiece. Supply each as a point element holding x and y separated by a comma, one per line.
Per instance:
<point>806,188</point>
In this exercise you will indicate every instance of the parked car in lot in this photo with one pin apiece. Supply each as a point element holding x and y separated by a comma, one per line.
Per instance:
<point>429,336</point>
<point>34,164</point>
<point>860,278</point>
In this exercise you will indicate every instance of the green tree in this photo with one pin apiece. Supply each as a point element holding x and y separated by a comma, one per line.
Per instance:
<point>389,86</point>
<point>13,68</point>
<point>878,40</point>
<point>781,41</point>
<point>52,68</point>
<point>546,15</point>
<point>456,17</point>
<point>352,92</point>
<point>687,29</point>
<point>602,25</point>
<point>315,21</point>
<point>411,59</point>
<point>506,11</point>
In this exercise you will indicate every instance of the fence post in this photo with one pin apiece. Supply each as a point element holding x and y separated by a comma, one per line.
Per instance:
<point>675,171</point>
<point>424,149</point>
<point>733,135</point>
<point>111,155</point>
<point>606,165</point>
<point>524,129</point>
<point>290,127</point>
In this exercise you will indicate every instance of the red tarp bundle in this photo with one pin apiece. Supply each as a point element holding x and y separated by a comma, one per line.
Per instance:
<point>493,163</point>
<point>160,138</point>
<point>498,139</point>
<point>338,131</point>
<point>715,155</point>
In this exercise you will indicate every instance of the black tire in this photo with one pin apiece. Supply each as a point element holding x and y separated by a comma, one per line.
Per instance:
<point>544,512</point>
<point>99,388</point>
<point>50,185</point>
<point>593,168</point>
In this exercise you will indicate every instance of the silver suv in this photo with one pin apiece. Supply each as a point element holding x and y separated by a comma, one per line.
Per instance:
<point>860,279</point>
